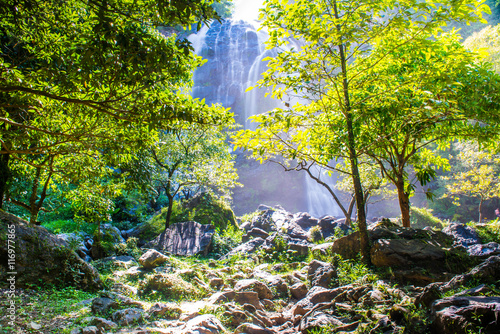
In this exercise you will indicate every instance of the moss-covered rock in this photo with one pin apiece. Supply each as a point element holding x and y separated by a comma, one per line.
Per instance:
<point>39,258</point>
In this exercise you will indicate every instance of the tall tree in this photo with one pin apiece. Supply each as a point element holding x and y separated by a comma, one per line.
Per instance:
<point>333,74</point>
<point>68,68</point>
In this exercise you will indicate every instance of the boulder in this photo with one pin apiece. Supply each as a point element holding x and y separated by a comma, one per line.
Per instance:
<point>128,316</point>
<point>103,324</point>
<point>347,247</point>
<point>245,249</point>
<point>484,250</point>
<point>321,273</point>
<point>304,220</point>
<point>103,305</point>
<point>255,233</point>
<point>319,320</point>
<point>457,315</point>
<point>41,258</point>
<point>330,226</point>
<point>167,311</point>
<point>248,328</point>
<point>298,290</point>
<point>462,235</point>
<point>152,259</point>
<point>253,285</point>
<point>189,238</point>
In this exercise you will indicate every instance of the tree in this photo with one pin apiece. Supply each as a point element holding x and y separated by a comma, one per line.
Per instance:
<point>74,71</point>
<point>476,175</point>
<point>333,74</point>
<point>195,158</point>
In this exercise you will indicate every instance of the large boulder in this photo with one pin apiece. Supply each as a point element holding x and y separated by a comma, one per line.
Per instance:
<point>152,259</point>
<point>188,238</point>
<point>466,314</point>
<point>40,257</point>
<point>462,235</point>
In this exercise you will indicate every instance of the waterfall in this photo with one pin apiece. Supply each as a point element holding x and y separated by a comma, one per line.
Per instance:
<point>234,51</point>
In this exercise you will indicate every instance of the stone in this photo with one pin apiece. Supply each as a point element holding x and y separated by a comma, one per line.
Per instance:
<point>103,324</point>
<point>300,247</point>
<point>457,315</point>
<point>128,316</point>
<point>216,283</point>
<point>347,247</point>
<point>204,324</point>
<point>255,233</point>
<point>319,320</point>
<point>248,328</point>
<point>462,235</point>
<point>260,288</point>
<point>248,297</point>
<point>166,311</point>
<point>322,249</point>
<point>221,297</point>
<point>321,273</point>
<point>103,305</point>
<point>298,290</point>
<point>186,239</point>
<point>304,220</point>
<point>91,330</point>
<point>245,249</point>
<point>330,226</point>
<point>152,259</point>
<point>297,232</point>
<point>42,258</point>
<point>484,250</point>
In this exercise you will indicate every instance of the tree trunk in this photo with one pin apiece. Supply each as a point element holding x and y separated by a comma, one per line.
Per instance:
<point>481,211</point>
<point>404,202</point>
<point>169,210</point>
<point>4,176</point>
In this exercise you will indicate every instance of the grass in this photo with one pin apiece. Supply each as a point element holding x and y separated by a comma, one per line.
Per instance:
<point>55,310</point>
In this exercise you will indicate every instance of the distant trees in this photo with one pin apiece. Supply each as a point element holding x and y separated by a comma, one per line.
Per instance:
<point>487,43</point>
<point>365,90</point>
<point>192,158</point>
<point>475,174</point>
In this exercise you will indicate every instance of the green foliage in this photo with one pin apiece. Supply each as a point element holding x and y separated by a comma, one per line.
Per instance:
<point>315,234</point>
<point>350,271</point>
<point>128,248</point>
<point>224,240</point>
<point>69,226</point>
<point>487,232</point>
<point>168,287</point>
<point>280,252</point>
<point>422,217</point>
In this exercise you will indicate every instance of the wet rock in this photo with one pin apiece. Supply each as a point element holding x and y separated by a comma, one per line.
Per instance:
<point>152,259</point>
<point>260,288</point>
<point>462,235</point>
<point>103,305</point>
<point>42,257</point>
<point>128,316</point>
<point>298,290</point>
<point>203,324</point>
<point>457,315</point>
<point>188,238</point>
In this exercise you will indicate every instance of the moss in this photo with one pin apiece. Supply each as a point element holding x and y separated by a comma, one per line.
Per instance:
<point>422,217</point>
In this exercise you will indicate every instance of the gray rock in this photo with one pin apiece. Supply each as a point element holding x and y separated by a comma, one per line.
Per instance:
<point>42,257</point>
<point>152,259</point>
<point>188,238</point>
<point>457,315</point>
<point>245,249</point>
<point>111,233</point>
<point>255,233</point>
<point>248,297</point>
<point>216,283</point>
<point>91,330</point>
<point>463,235</point>
<point>486,250</point>
<point>304,220</point>
<point>102,305</point>
<point>319,320</point>
<point>128,316</point>
<point>167,311</point>
<point>103,324</point>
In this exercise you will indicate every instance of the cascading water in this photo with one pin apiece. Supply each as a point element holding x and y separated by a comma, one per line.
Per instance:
<point>234,51</point>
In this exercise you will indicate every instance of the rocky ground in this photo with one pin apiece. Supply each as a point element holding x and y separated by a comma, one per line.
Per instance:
<point>278,280</point>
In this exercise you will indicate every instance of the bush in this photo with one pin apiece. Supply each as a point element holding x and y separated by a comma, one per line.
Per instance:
<point>169,287</point>
<point>225,240</point>
<point>315,234</point>
<point>422,217</point>
<point>488,232</point>
<point>69,226</point>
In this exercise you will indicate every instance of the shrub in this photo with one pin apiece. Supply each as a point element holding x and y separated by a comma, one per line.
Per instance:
<point>225,240</point>
<point>315,234</point>
<point>170,287</point>
<point>488,232</point>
